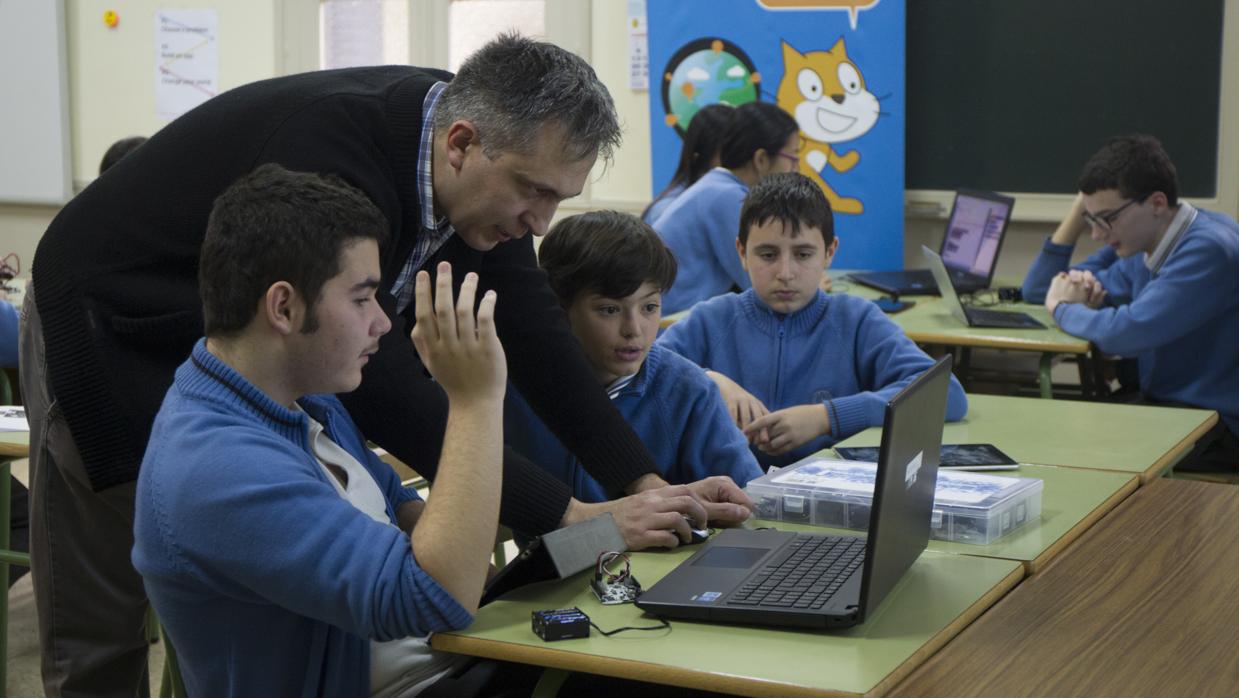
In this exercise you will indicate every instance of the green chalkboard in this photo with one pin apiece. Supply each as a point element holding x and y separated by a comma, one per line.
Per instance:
<point>1014,95</point>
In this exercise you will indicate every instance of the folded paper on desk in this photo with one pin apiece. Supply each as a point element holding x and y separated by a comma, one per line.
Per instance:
<point>968,507</point>
<point>557,554</point>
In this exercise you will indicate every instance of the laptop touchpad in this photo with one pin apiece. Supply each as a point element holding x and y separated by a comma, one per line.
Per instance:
<point>731,557</point>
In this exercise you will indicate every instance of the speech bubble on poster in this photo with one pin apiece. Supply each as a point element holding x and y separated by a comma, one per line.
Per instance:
<point>852,7</point>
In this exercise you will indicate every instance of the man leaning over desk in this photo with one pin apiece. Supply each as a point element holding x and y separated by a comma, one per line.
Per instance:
<point>462,168</point>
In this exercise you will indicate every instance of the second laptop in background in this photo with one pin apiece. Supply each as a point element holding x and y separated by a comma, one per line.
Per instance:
<point>970,246</point>
<point>974,317</point>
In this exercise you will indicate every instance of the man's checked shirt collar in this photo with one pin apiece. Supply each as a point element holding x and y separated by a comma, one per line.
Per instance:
<point>434,233</point>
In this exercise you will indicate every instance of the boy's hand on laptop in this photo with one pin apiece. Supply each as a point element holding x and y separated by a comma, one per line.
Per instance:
<point>724,501</point>
<point>462,352</point>
<point>741,404</point>
<point>785,429</point>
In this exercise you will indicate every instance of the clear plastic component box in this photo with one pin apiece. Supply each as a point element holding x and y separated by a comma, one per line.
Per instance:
<point>969,507</point>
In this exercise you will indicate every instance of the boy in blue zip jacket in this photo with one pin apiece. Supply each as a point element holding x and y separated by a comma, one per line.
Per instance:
<point>799,369</point>
<point>609,270</point>
<point>282,556</point>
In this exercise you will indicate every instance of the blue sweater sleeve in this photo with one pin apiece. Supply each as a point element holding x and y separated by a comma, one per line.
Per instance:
<point>687,337</point>
<point>283,534</point>
<point>8,335</point>
<point>1196,282</point>
<point>1054,259</point>
<point>711,444</point>
<point>887,361</point>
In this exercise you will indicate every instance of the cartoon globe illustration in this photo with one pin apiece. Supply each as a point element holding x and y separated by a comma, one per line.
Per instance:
<point>703,72</point>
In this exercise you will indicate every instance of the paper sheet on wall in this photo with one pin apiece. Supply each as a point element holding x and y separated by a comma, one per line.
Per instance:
<point>186,60</point>
<point>638,47</point>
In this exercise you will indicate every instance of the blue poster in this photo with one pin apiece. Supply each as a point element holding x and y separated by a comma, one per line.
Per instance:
<point>837,66</point>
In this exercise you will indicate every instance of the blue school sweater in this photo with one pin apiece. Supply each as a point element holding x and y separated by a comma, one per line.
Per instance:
<point>8,335</point>
<point>838,350</point>
<point>676,411</point>
<point>1181,322</point>
<point>660,206</point>
<point>267,580</point>
<point>701,228</point>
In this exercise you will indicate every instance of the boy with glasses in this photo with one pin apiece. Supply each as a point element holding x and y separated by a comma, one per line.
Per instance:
<point>1172,298</point>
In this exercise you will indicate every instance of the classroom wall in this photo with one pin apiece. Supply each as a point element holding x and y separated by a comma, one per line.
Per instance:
<point>111,74</point>
<point>112,80</point>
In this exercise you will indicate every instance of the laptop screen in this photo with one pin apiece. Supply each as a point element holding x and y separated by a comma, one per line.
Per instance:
<point>974,233</point>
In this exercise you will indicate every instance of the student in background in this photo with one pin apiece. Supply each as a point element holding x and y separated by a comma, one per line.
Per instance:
<point>1055,255</point>
<point>609,270</point>
<point>19,517</point>
<point>8,332</point>
<point>1172,300</point>
<point>118,150</point>
<point>799,369</point>
<point>700,227</point>
<point>698,156</point>
<point>281,555</point>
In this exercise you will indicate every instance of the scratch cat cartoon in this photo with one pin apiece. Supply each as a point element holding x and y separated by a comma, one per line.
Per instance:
<point>826,93</point>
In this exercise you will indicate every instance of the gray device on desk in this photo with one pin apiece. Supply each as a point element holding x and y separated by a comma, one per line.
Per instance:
<point>743,576</point>
<point>974,317</point>
<point>970,246</point>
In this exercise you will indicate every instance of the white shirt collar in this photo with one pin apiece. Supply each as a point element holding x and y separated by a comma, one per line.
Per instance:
<point>1183,219</point>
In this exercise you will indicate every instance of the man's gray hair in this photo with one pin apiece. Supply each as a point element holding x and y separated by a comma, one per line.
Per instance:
<point>513,86</point>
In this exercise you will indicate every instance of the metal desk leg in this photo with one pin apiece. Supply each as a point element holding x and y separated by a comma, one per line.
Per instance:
<point>1043,375</point>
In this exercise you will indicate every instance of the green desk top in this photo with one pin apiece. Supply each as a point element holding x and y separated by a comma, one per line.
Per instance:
<point>940,595</point>
<point>14,444</point>
<point>930,322</point>
<point>1072,500</point>
<point>1128,438</point>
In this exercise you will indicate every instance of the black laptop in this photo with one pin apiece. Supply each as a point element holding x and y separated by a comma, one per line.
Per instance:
<point>818,580</point>
<point>974,317</point>
<point>970,246</point>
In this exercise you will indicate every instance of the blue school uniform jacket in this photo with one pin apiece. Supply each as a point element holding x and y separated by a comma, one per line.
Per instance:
<point>701,228</point>
<point>1180,321</point>
<point>838,350</point>
<point>675,409</point>
<point>267,580</point>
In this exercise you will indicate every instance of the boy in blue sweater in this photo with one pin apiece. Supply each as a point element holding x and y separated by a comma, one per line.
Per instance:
<point>799,369</point>
<point>1172,300</point>
<point>609,271</point>
<point>282,556</point>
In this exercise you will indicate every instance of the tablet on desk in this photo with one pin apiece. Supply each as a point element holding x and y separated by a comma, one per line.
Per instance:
<point>956,456</point>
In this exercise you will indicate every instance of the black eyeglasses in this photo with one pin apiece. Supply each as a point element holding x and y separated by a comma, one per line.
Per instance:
<point>1106,220</point>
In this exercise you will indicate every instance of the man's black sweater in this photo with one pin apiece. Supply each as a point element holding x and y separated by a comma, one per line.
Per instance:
<point>116,285</point>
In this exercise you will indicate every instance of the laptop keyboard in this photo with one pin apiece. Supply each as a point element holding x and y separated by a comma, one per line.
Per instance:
<point>817,566</point>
